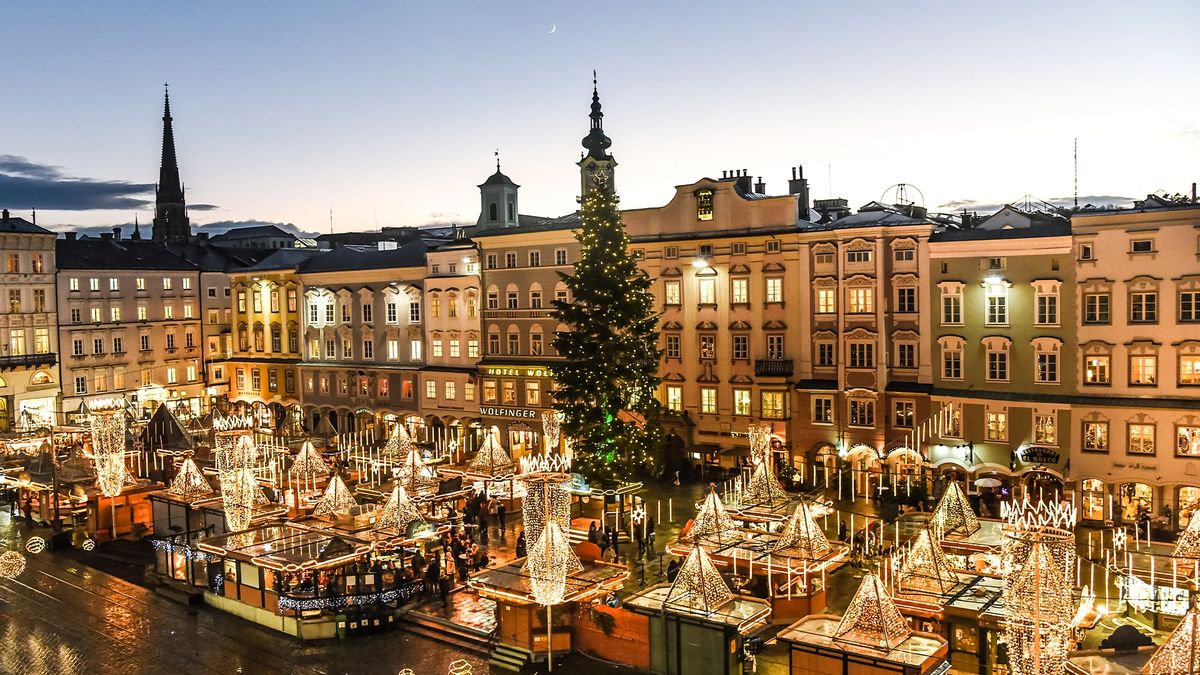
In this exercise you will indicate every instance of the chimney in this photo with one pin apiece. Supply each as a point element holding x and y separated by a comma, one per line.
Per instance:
<point>760,187</point>
<point>71,236</point>
<point>4,213</point>
<point>1193,194</point>
<point>107,236</point>
<point>798,185</point>
<point>744,183</point>
<point>117,233</point>
<point>723,174</point>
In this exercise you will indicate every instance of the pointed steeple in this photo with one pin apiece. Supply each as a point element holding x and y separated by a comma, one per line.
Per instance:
<point>596,166</point>
<point>596,143</point>
<point>171,225</point>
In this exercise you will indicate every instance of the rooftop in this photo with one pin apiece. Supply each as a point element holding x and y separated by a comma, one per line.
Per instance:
<point>284,259</point>
<point>527,224</point>
<point>353,257</point>
<point>252,232</point>
<point>11,224</point>
<point>117,254</point>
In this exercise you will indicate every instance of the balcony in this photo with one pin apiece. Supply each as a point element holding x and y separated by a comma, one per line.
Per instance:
<point>543,313</point>
<point>27,361</point>
<point>772,367</point>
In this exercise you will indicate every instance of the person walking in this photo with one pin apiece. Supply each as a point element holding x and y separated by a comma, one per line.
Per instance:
<point>500,513</point>
<point>27,509</point>
<point>650,533</point>
<point>521,550</point>
<point>433,575</point>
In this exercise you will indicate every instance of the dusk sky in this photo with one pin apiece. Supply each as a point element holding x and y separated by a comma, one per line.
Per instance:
<point>390,112</point>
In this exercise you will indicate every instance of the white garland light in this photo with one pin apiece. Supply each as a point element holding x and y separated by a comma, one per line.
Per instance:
<point>107,421</point>
<point>398,512</point>
<point>189,483</point>
<point>12,564</point>
<point>242,495</point>
<point>925,567</point>
<point>953,514</point>
<point>399,444</point>
<point>712,521</point>
<point>492,457</point>
<point>698,586</point>
<point>1038,565</point>
<point>803,536</point>
<point>872,619</point>
<point>337,500</point>
<point>413,475</point>
<point>549,562</point>
<point>35,545</point>
<point>1181,652</point>
<point>308,465</point>
<point>763,487</point>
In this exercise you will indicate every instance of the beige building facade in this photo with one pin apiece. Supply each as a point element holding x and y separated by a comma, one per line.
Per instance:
<point>29,354</point>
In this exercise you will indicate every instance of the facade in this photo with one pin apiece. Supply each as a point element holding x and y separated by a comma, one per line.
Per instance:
<point>453,299</point>
<point>363,333</point>
<point>29,382</point>
<point>130,324</point>
<point>266,332</point>
<point>1136,446</point>
<point>1001,314</point>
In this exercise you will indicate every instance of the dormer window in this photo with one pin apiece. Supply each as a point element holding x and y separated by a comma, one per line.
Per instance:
<point>493,211</point>
<point>704,205</point>
<point>1141,246</point>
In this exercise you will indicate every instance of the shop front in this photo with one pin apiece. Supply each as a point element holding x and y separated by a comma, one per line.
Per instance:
<point>513,400</point>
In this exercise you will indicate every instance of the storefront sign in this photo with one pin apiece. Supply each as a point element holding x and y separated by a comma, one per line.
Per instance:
<point>520,413</point>
<point>1135,466</point>
<point>517,372</point>
<point>1040,455</point>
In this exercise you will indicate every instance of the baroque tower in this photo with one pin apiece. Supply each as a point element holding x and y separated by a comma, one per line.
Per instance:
<point>596,167</point>
<point>498,200</point>
<point>171,225</point>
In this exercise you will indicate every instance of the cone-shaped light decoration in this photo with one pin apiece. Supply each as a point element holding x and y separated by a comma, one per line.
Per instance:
<point>872,619</point>
<point>337,500</point>
<point>1180,654</point>
<point>953,514</point>
<point>413,475</point>
<point>399,444</point>
<point>763,487</point>
<point>491,458</point>
<point>398,512</point>
<point>107,420</point>
<point>308,465</point>
<point>712,522</point>
<point>699,585</point>
<point>1039,604</point>
<point>926,569</point>
<point>549,562</point>
<point>189,483</point>
<point>1188,545</point>
<point>802,536</point>
<point>240,496</point>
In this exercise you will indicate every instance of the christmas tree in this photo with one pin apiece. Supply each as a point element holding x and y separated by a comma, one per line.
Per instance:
<point>607,384</point>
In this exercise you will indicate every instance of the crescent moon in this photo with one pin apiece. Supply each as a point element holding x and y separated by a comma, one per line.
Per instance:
<point>553,27</point>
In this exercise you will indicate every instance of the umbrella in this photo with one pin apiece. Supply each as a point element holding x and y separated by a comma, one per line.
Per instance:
<point>988,483</point>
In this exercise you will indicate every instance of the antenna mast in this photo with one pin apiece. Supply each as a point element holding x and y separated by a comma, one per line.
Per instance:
<point>1076,159</point>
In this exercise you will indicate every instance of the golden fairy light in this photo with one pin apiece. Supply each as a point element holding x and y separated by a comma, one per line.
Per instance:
<point>399,512</point>
<point>763,487</point>
<point>241,496</point>
<point>399,444</point>
<point>308,466</point>
<point>1188,544</point>
<point>712,521</point>
<point>925,567</point>
<point>1180,654</point>
<point>107,421</point>
<point>492,457</point>
<point>189,483</point>
<point>337,500</point>
<point>698,586</point>
<point>1038,565</point>
<point>12,564</point>
<point>872,619</point>
<point>802,536</point>
<point>953,514</point>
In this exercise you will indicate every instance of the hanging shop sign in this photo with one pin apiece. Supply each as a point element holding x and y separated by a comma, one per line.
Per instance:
<point>1040,455</point>
<point>519,413</point>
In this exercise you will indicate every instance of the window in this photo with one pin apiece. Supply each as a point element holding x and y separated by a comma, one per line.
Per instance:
<point>906,300</point>
<point>826,354</point>
<point>330,349</point>
<point>1141,246</point>
<point>393,350</point>
<point>1143,370</point>
<point>997,361</point>
<point>368,349</point>
<point>822,410</point>
<point>435,348</point>
<point>292,300</point>
<point>861,300</point>
<point>906,355</point>
<point>708,291</point>
<point>823,258</point>
<point>741,401</point>
<point>996,263</point>
<point>144,342</point>
<point>490,261</point>
<point>1085,252</point>
<point>168,311</point>
<point>533,393</point>
<point>493,343</point>
<point>431,389</point>
<point>674,398</point>
<point>39,299</point>
<point>1097,369</point>
<point>1189,306</point>
<point>708,346</point>
<point>708,400</point>
<point>41,341</point>
<point>493,300</point>
<point>93,284</point>
<point>996,426</point>
<point>80,385</point>
<point>455,348</point>
<point>73,284</point>
<point>1095,436</point>
<point>96,315</point>
<point>143,313</point>
<point>560,256</point>
<point>738,248</point>
<point>536,344</point>
<point>255,378</point>
<point>1143,307</point>
<point>774,405</point>
<point>862,412</point>
<point>997,304</point>
<point>489,391</point>
<point>18,343</point>
<point>952,361</point>
<point>560,293</point>
<point>171,341</point>
<point>862,355</point>
<point>952,306</point>
<point>1189,370</point>
<point>473,348</point>
<point>1046,308</point>
<point>773,246</point>
<point>741,347</point>
<point>1187,441</point>
<point>450,390</point>
<point>414,311</point>
<point>187,283</point>
<point>510,259</point>
<point>671,252</point>
<point>826,301</point>
<point>272,380</point>
<point>952,422</point>
<point>672,346</point>
<point>774,289</point>
<point>904,255</point>
<point>775,346</point>
<point>468,391</point>
<point>390,312</point>
<point>671,293</point>
<point>511,300</point>
<point>1046,361</point>
<point>368,311</point>
<point>535,258</point>
<point>514,343</point>
<point>535,299</point>
<point>859,257</point>
<point>414,350</point>
<point>739,291</point>
<point>189,339</point>
<point>1096,308</point>
<point>114,284</point>
<point>77,316</point>
<point>1044,429</point>
<point>704,205</point>
<point>1141,439</point>
<point>509,393</point>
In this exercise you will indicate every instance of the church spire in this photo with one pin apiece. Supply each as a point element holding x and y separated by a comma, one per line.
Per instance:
<point>596,166</point>
<point>171,223</point>
<point>596,143</point>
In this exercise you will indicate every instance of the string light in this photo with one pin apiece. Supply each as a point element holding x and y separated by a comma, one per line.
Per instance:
<point>398,512</point>
<point>549,562</point>
<point>413,475</point>
<point>242,495</point>
<point>107,421</point>
<point>35,545</point>
<point>698,586</point>
<point>459,667</point>
<point>89,544</point>
<point>189,483</point>
<point>953,514</point>
<point>1038,564</point>
<point>545,500</point>
<point>399,443</point>
<point>1188,545</point>
<point>712,521</point>
<point>1180,654</point>
<point>491,458</point>
<point>308,465</point>
<point>763,487</point>
<point>872,619</point>
<point>802,536</point>
<point>925,567</point>
<point>337,500</point>
<point>12,564</point>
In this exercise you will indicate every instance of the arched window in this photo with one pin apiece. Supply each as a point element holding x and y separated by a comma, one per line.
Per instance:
<point>492,211</point>
<point>511,212</point>
<point>38,378</point>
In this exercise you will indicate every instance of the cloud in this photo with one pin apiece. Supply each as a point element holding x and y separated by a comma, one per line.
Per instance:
<point>1064,202</point>
<point>202,207</point>
<point>26,184</point>
<point>221,226</point>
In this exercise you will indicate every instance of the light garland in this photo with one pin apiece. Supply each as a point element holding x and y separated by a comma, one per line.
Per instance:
<point>240,496</point>
<point>872,619</point>
<point>1031,516</point>
<point>552,427</point>
<point>1180,654</point>
<point>170,547</point>
<point>398,512</point>
<point>12,564</point>
<point>88,544</point>
<point>802,536</point>
<point>107,421</point>
<point>1188,544</point>
<point>399,444</point>
<point>491,457</point>
<point>712,521</point>
<point>189,483</point>
<point>545,501</point>
<point>337,500</point>
<point>925,567</point>
<point>1038,565</point>
<point>549,562</point>
<point>308,464</point>
<point>698,586</point>
<point>953,514</point>
<point>460,667</point>
<point>35,545</point>
<point>413,475</point>
<point>233,423</point>
<point>405,592</point>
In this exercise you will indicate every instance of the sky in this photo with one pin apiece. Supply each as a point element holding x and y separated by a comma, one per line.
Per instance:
<point>389,114</point>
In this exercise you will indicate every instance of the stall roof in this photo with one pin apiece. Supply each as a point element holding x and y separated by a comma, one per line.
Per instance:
<point>818,630</point>
<point>286,546</point>
<point>745,613</point>
<point>510,582</point>
<point>759,547</point>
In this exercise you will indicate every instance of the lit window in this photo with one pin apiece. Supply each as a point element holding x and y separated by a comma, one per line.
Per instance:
<point>533,393</point>
<point>774,289</point>
<point>1097,369</point>
<point>1141,439</point>
<point>674,398</point>
<point>905,412</point>
<point>1143,369</point>
<point>1095,436</point>
<point>704,205</point>
<point>671,293</point>
<point>1187,441</point>
<point>489,391</point>
<point>774,405</point>
<point>997,303</point>
<point>431,389</point>
<point>1044,431</point>
<point>708,291</point>
<point>708,346</point>
<point>1189,370</point>
<point>862,412</point>
<point>708,400</point>
<point>952,422</point>
<point>822,410</point>
<point>739,291</point>
<point>996,426</point>
<point>450,390</point>
<point>861,300</point>
<point>741,401</point>
<point>414,350</point>
<point>826,301</point>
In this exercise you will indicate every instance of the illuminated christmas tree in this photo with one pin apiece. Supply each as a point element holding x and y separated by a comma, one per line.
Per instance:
<point>413,475</point>
<point>953,514</point>
<point>802,536</point>
<point>699,585</point>
<point>1180,654</point>
<point>712,522</point>
<point>609,376</point>
<point>872,619</point>
<point>925,568</point>
<point>1188,545</point>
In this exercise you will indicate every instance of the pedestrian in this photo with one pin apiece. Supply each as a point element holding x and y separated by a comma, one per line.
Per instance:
<point>616,543</point>
<point>676,477</point>
<point>445,583</point>
<point>493,511</point>
<point>672,570</point>
<point>500,513</point>
<point>483,533</point>
<point>641,541</point>
<point>433,575</point>
<point>27,508</point>
<point>650,533</point>
<point>521,551</point>
<point>592,532</point>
